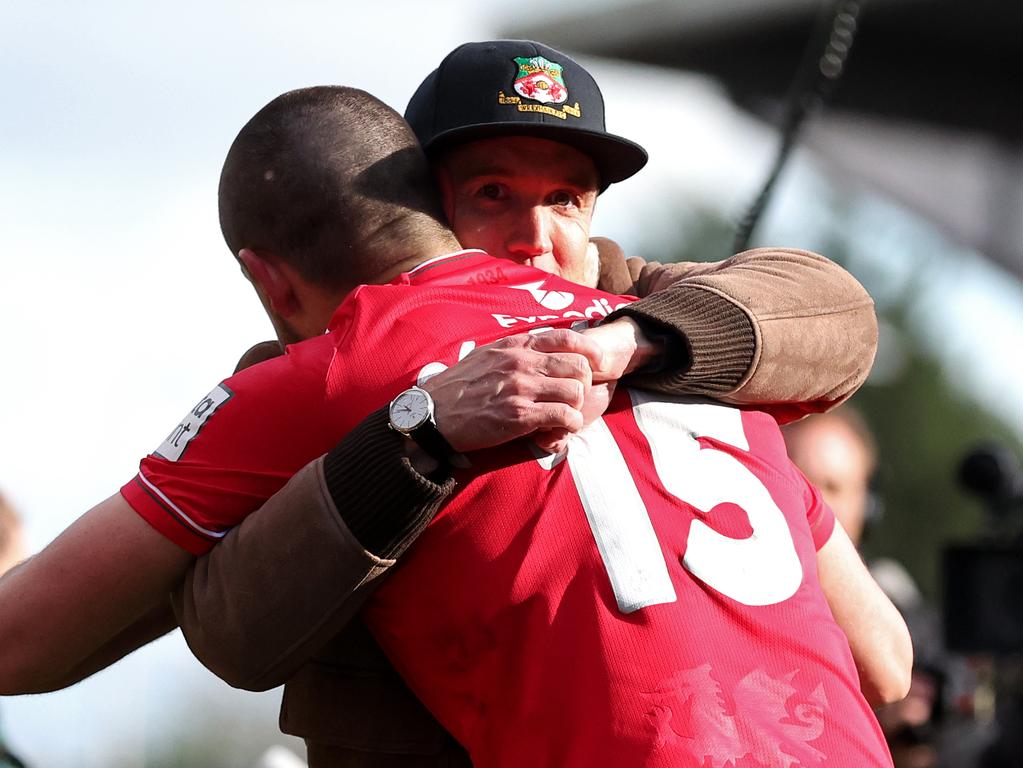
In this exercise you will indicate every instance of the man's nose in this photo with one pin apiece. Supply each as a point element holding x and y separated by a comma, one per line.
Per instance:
<point>530,234</point>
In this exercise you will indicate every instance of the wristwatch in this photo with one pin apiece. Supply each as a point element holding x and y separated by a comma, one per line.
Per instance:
<point>411,414</point>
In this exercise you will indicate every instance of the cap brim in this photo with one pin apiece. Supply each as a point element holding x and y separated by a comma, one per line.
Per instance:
<point>616,158</point>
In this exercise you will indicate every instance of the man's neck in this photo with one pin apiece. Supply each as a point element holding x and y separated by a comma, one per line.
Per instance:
<point>439,246</point>
<point>419,252</point>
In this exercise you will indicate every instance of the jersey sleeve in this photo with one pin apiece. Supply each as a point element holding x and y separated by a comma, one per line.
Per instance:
<point>819,515</point>
<point>233,450</point>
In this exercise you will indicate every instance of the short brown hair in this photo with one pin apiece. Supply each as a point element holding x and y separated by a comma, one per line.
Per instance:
<point>315,173</point>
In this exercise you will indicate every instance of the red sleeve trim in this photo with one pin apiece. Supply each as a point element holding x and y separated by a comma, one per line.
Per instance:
<point>822,525</point>
<point>161,513</point>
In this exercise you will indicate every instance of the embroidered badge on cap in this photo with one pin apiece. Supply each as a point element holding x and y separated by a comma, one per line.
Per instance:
<point>540,80</point>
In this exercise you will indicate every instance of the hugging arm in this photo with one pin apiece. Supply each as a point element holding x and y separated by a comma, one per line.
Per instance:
<point>292,574</point>
<point>780,329</point>
<point>62,610</point>
<point>289,578</point>
<point>877,633</point>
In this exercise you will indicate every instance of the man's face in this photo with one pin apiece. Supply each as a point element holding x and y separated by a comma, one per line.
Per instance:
<point>525,199</point>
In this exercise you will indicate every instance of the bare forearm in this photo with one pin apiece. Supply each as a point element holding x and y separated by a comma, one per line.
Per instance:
<point>61,607</point>
<point>150,627</point>
<point>877,633</point>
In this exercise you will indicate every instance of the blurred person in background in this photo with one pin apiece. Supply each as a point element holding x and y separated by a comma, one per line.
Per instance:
<point>838,454</point>
<point>12,552</point>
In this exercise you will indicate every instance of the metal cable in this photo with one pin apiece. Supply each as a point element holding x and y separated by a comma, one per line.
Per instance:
<point>814,82</point>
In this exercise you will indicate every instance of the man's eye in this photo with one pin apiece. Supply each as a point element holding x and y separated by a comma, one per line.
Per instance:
<point>562,198</point>
<point>490,191</point>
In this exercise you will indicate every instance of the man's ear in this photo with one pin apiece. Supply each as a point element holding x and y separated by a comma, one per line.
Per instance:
<point>271,282</point>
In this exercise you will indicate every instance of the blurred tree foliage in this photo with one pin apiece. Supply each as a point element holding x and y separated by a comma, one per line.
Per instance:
<point>923,420</point>
<point>924,427</point>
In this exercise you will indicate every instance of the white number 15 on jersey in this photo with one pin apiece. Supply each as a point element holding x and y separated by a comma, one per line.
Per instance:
<point>761,569</point>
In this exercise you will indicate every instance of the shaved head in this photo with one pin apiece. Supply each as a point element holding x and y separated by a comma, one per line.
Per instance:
<point>321,175</point>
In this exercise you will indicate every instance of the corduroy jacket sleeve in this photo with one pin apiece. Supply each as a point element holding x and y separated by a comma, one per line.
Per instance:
<point>785,330</point>
<point>293,574</point>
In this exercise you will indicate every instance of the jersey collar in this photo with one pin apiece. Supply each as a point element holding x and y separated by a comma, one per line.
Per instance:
<point>455,268</point>
<point>441,267</point>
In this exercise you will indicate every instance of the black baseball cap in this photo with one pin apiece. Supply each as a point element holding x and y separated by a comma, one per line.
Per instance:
<point>520,88</point>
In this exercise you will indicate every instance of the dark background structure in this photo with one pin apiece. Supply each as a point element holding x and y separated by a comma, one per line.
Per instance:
<point>927,111</point>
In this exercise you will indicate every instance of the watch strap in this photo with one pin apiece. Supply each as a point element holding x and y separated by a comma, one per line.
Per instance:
<point>429,438</point>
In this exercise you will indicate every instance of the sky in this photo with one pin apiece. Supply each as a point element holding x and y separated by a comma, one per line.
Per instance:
<point>121,306</point>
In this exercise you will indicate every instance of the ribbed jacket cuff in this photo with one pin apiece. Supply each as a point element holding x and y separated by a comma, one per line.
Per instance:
<point>719,336</point>
<point>384,502</point>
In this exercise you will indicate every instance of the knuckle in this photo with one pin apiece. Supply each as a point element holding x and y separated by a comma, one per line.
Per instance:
<point>554,338</point>
<point>516,385</point>
<point>578,392</point>
<point>577,367</point>
<point>519,410</point>
<point>565,416</point>
<point>579,364</point>
<point>509,361</point>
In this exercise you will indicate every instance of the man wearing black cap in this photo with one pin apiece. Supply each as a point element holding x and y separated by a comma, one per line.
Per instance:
<point>519,88</point>
<point>517,135</point>
<point>516,132</point>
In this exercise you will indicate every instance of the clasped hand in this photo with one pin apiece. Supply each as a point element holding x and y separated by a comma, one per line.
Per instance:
<point>545,385</point>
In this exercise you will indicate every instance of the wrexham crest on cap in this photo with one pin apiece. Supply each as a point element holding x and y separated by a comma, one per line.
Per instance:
<point>540,79</point>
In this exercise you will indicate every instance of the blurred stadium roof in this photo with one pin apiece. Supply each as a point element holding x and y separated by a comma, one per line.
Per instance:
<point>928,110</point>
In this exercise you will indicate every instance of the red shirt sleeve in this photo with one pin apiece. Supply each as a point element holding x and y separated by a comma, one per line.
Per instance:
<point>237,447</point>
<point>165,516</point>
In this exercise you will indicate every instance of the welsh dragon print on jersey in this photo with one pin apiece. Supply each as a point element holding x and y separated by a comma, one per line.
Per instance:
<point>650,599</point>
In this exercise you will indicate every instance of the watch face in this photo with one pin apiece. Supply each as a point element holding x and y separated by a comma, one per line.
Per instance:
<point>410,409</point>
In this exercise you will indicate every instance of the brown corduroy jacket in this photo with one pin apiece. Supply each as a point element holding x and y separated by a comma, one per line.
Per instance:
<point>277,601</point>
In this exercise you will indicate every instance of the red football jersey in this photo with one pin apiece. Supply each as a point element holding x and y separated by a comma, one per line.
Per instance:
<point>651,599</point>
